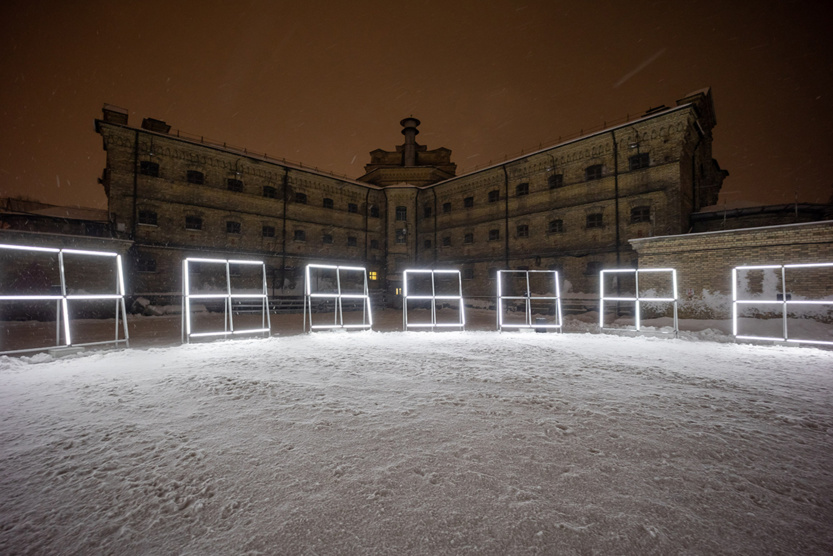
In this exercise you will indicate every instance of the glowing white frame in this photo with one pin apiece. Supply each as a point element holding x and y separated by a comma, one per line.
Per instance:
<point>433,297</point>
<point>637,299</point>
<point>784,302</point>
<point>63,300</point>
<point>528,299</point>
<point>338,312</point>
<point>228,317</point>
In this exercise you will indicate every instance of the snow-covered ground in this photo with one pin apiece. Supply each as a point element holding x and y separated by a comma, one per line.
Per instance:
<point>419,443</point>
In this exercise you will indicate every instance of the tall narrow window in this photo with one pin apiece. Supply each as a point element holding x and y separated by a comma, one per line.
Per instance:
<point>148,168</point>
<point>402,213</point>
<point>193,223</point>
<point>595,220</point>
<point>638,161</point>
<point>147,217</point>
<point>555,181</point>
<point>640,214</point>
<point>522,189</point>
<point>195,176</point>
<point>400,236</point>
<point>593,172</point>
<point>234,184</point>
<point>494,196</point>
<point>232,227</point>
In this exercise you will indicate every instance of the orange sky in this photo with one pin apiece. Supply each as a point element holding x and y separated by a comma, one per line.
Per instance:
<point>326,82</point>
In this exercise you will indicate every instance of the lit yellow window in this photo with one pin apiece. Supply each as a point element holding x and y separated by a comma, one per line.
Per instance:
<point>371,275</point>
<point>398,291</point>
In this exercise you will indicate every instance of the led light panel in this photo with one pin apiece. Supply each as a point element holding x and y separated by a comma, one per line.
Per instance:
<point>638,299</point>
<point>63,322</point>
<point>420,284</point>
<point>524,293</point>
<point>227,296</point>
<point>784,303</point>
<point>337,283</point>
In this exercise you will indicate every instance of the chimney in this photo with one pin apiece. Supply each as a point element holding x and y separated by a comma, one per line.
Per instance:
<point>114,114</point>
<point>410,148</point>
<point>158,126</point>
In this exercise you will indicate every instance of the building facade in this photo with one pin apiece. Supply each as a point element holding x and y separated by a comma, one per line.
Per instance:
<point>572,207</point>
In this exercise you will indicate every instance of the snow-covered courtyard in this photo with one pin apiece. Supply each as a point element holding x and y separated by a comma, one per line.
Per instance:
<point>419,443</point>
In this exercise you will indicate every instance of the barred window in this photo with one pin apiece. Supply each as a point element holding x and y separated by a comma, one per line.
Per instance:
<point>300,235</point>
<point>555,181</point>
<point>555,226</point>
<point>640,214</point>
<point>232,227</point>
<point>301,198</point>
<point>270,192</point>
<point>148,168</point>
<point>327,238</point>
<point>401,213</point>
<point>468,273</point>
<point>593,172</point>
<point>595,220</point>
<point>401,236</point>
<point>522,189</point>
<point>374,212</point>
<point>268,231</point>
<point>147,217</point>
<point>494,196</point>
<point>468,202</point>
<point>193,223</point>
<point>234,184</point>
<point>195,176</point>
<point>352,207</point>
<point>494,234</point>
<point>328,203</point>
<point>446,207</point>
<point>639,161</point>
<point>523,230</point>
<point>468,238</point>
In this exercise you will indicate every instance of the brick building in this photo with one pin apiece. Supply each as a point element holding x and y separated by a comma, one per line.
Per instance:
<point>572,206</point>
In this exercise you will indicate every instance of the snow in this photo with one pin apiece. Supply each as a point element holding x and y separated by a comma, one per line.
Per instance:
<point>419,443</point>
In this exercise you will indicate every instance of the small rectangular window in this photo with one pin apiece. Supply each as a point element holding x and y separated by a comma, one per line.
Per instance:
<point>494,196</point>
<point>593,172</point>
<point>446,207</point>
<point>402,213</point>
<point>447,241</point>
<point>401,236</point>
<point>374,212</point>
<point>555,226</point>
<point>352,241</point>
<point>494,234</point>
<point>148,168</point>
<point>193,223</point>
<point>194,176</point>
<point>595,220</point>
<point>372,275</point>
<point>328,203</point>
<point>640,214</point>
<point>468,238</point>
<point>327,239</point>
<point>300,197</point>
<point>522,189</point>
<point>352,207</point>
<point>232,227</point>
<point>145,264</point>
<point>523,230</point>
<point>268,231</point>
<point>270,192</point>
<point>374,243</point>
<point>300,235</point>
<point>147,218</point>
<point>468,273</point>
<point>234,185</point>
<point>639,161</point>
<point>468,202</point>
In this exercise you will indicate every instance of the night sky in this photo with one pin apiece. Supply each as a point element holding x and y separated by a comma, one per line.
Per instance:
<point>326,82</point>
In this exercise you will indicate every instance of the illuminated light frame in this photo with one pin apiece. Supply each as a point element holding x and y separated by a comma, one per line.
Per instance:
<point>433,297</point>
<point>62,301</point>
<point>338,312</point>
<point>528,299</point>
<point>784,302</point>
<point>228,319</point>
<point>637,299</point>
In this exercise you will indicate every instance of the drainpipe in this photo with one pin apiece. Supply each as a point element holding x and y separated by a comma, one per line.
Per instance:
<point>694,193</point>
<point>616,195</point>
<point>135,185</point>
<point>434,192</point>
<point>506,214</point>
<point>366,226</point>
<point>283,228</point>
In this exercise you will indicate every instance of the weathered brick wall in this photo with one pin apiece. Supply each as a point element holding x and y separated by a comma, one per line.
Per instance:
<point>704,261</point>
